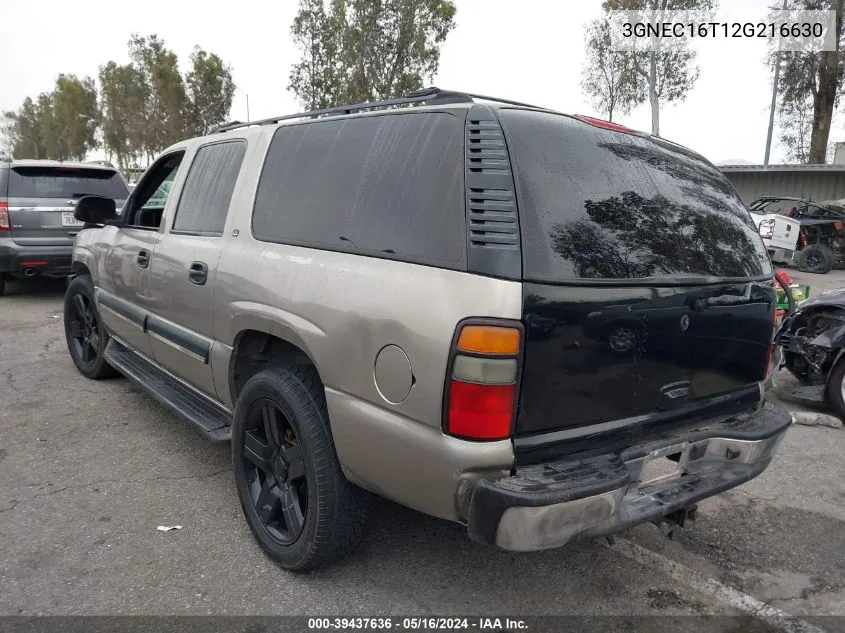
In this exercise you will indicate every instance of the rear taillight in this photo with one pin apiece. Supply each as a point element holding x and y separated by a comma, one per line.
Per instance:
<point>4,217</point>
<point>482,386</point>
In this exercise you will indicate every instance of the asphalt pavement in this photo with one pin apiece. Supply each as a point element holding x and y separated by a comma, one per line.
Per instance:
<point>88,470</point>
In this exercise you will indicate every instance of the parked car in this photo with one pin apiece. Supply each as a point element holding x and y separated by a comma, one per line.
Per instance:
<point>37,223</point>
<point>808,234</point>
<point>372,299</point>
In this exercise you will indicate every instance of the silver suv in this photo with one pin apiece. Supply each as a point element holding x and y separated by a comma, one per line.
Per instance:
<point>544,327</point>
<point>37,224</point>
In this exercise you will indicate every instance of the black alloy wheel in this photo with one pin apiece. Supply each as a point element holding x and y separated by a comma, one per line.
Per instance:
<point>275,471</point>
<point>84,330</point>
<point>298,504</point>
<point>85,333</point>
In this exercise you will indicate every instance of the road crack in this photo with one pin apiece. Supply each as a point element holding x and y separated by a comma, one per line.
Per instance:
<point>17,502</point>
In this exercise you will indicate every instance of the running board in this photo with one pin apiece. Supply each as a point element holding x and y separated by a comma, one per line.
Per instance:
<point>211,420</point>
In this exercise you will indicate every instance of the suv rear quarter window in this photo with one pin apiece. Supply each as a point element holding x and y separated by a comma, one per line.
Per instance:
<point>600,204</point>
<point>387,185</point>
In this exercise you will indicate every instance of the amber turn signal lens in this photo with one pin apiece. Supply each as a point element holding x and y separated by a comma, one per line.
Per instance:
<point>489,339</point>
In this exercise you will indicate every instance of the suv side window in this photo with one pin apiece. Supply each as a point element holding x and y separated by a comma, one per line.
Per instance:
<point>389,186</point>
<point>208,189</point>
<point>146,204</point>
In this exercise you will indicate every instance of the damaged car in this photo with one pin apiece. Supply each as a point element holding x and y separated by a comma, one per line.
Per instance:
<point>810,235</point>
<point>812,339</point>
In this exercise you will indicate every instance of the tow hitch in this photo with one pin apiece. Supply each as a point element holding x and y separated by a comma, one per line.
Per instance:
<point>683,518</point>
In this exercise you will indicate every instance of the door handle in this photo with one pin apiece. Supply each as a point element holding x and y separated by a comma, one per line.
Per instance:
<point>198,273</point>
<point>143,259</point>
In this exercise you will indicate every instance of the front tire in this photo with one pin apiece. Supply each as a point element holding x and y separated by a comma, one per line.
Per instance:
<point>84,332</point>
<point>297,502</point>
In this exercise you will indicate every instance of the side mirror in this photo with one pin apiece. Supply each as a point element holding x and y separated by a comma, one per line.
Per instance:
<point>95,210</point>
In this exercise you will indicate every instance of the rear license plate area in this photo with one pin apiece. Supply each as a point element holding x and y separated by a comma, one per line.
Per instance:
<point>657,465</point>
<point>69,220</point>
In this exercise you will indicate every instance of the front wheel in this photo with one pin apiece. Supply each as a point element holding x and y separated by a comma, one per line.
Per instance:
<point>297,502</point>
<point>86,337</point>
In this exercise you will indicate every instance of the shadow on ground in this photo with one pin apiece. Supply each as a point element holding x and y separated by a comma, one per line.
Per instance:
<point>35,286</point>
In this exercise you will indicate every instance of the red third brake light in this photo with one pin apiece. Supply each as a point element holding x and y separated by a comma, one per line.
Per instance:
<point>4,217</point>
<point>607,125</point>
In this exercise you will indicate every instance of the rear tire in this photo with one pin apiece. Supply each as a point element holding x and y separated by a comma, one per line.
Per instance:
<point>816,258</point>
<point>2,284</point>
<point>84,332</point>
<point>301,509</point>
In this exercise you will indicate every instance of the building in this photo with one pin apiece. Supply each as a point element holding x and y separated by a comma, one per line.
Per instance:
<point>839,153</point>
<point>813,182</point>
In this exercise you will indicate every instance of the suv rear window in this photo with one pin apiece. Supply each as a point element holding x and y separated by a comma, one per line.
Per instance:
<point>389,186</point>
<point>599,204</point>
<point>65,182</point>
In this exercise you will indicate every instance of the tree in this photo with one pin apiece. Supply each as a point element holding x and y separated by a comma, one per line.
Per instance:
<point>23,131</point>
<point>148,105</point>
<point>796,127</point>
<point>75,117</point>
<point>608,76</point>
<point>318,78</point>
<point>667,74</point>
<point>123,97</point>
<point>164,88</point>
<point>142,107</point>
<point>209,92</point>
<point>810,77</point>
<point>47,132</point>
<point>363,50</point>
<point>60,125</point>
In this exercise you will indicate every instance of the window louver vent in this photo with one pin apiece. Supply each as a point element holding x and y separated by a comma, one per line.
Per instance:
<point>491,203</point>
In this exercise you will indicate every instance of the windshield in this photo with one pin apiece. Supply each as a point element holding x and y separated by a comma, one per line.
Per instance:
<point>65,182</point>
<point>599,204</point>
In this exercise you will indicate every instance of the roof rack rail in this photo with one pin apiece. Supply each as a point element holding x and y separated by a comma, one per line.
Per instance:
<point>431,95</point>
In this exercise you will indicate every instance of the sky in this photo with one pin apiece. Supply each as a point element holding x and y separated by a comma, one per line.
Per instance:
<point>526,50</point>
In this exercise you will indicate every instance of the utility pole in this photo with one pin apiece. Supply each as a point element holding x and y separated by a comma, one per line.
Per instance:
<point>242,91</point>
<point>774,102</point>
<point>247,102</point>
